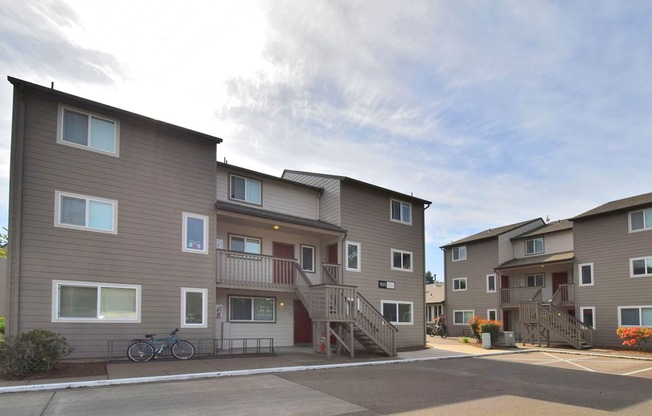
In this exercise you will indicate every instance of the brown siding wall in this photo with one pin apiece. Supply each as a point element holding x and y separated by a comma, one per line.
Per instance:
<point>481,258</point>
<point>158,175</point>
<point>329,205</point>
<point>607,243</point>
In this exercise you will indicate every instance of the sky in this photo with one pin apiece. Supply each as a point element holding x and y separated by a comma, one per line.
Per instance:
<point>496,111</point>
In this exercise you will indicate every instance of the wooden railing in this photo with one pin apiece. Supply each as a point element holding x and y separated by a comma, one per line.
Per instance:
<point>565,295</point>
<point>333,303</point>
<point>255,271</point>
<point>514,296</point>
<point>332,273</point>
<point>375,326</point>
<point>565,325</point>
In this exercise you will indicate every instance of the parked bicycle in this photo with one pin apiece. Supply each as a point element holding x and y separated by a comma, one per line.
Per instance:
<point>438,328</point>
<point>141,350</point>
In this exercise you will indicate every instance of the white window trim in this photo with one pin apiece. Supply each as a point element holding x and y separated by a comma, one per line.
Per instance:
<point>60,140</point>
<point>453,253</point>
<point>495,284</point>
<point>495,311</point>
<point>313,258</point>
<point>57,212</point>
<point>184,236</point>
<point>204,293</point>
<point>346,256</point>
<point>397,302</point>
<point>55,301</point>
<point>533,253</point>
<point>579,274</point>
<point>639,307</point>
<point>245,238</point>
<point>646,227</point>
<point>463,311</point>
<point>260,190</point>
<point>252,320</point>
<point>466,284</point>
<point>592,309</point>
<point>631,267</point>
<point>401,221</point>
<point>401,269</point>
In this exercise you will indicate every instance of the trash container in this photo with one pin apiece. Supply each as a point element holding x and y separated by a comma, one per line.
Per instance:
<point>486,340</point>
<point>508,339</point>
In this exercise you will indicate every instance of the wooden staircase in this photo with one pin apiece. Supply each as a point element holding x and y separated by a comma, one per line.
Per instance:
<point>540,319</point>
<point>352,317</point>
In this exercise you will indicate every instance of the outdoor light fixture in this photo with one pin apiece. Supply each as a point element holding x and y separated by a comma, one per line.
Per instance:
<point>276,226</point>
<point>281,303</point>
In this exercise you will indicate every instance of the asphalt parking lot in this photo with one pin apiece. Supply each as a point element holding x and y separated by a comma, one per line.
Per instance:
<point>582,362</point>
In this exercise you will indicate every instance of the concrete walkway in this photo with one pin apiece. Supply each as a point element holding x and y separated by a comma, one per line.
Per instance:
<point>287,359</point>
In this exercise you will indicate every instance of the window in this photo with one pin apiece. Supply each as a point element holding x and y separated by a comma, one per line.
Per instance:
<point>245,190</point>
<point>401,212</point>
<point>194,307</point>
<point>586,274</point>
<point>244,244</point>
<point>459,253</point>
<point>640,220</point>
<point>640,267</point>
<point>83,212</point>
<point>587,315</point>
<point>251,309</point>
<point>353,256</point>
<point>88,131</point>
<point>462,317</point>
<point>401,260</point>
<point>492,314</point>
<point>534,280</point>
<point>433,311</point>
<point>534,246</point>
<point>635,316</point>
<point>491,283</point>
<point>92,301</point>
<point>397,312</point>
<point>459,284</point>
<point>308,258</point>
<point>195,233</point>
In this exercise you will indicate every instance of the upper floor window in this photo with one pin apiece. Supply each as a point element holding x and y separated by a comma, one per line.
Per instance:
<point>244,244</point>
<point>491,283</point>
<point>245,190</point>
<point>459,253</point>
<point>534,246</point>
<point>459,284</point>
<point>640,220</point>
<point>533,280</point>
<point>401,260</point>
<point>586,274</point>
<point>83,212</point>
<point>641,267</point>
<point>401,211</point>
<point>308,258</point>
<point>353,256</point>
<point>92,132</point>
<point>91,301</point>
<point>195,233</point>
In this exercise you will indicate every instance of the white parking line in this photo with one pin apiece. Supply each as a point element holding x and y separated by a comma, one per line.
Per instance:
<point>570,362</point>
<point>637,371</point>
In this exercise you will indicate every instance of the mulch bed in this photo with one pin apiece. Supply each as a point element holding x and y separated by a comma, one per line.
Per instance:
<point>62,370</point>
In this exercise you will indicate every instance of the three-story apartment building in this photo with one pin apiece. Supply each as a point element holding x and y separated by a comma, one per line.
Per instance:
<point>122,225</point>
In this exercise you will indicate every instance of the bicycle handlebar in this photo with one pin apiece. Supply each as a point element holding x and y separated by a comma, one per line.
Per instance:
<point>174,332</point>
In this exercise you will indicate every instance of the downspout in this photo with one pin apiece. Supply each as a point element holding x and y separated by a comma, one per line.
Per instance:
<point>423,240</point>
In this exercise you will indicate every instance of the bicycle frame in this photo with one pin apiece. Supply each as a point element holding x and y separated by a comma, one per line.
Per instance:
<point>162,344</point>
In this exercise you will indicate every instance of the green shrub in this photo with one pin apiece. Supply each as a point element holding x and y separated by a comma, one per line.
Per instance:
<point>492,327</point>
<point>36,351</point>
<point>2,325</point>
<point>464,340</point>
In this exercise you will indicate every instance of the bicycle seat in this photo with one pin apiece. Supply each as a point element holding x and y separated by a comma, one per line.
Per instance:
<point>150,335</point>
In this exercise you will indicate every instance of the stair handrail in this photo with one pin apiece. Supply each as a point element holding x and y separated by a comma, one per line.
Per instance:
<point>328,274</point>
<point>364,300</point>
<point>564,325</point>
<point>567,288</point>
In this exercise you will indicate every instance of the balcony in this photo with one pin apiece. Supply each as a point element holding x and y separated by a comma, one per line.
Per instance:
<point>253,271</point>
<point>511,297</point>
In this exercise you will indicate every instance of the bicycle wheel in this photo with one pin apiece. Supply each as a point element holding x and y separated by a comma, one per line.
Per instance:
<point>444,334</point>
<point>140,351</point>
<point>182,350</point>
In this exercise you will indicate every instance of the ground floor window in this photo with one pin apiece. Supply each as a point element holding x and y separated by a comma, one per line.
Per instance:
<point>397,312</point>
<point>492,314</point>
<point>462,317</point>
<point>252,309</point>
<point>91,301</point>
<point>635,316</point>
<point>433,311</point>
<point>194,307</point>
<point>587,315</point>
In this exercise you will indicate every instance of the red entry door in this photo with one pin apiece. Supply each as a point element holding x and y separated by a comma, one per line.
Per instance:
<point>559,279</point>
<point>332,254</point>
<point>302,324</point>
<point>283,269</point>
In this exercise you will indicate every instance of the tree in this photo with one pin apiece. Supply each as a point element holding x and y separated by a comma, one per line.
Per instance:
<point>430,278</point>
<point>3,243</point>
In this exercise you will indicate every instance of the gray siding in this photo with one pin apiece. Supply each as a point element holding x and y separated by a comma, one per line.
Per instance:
<point>505,245</point>
<point>158,176</point>
<point>481,258</point>
<point>329,204</point>
<point>559,242</point>
<point>607,243</point>
<point>366,217</point>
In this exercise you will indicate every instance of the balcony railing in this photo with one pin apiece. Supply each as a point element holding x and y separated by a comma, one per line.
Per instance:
<point>512,296</point>
<point>565,295</point>
<point>255,271</point>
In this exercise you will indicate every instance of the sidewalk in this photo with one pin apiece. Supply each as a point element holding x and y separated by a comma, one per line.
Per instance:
<point>286,359</point>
